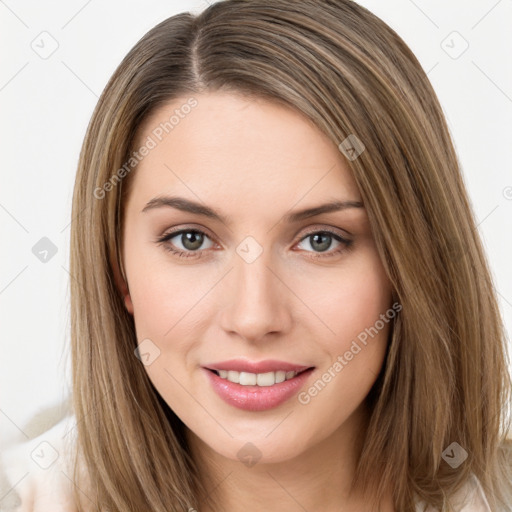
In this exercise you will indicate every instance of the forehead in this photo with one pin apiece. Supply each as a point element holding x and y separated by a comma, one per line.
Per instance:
<point>231,144</point>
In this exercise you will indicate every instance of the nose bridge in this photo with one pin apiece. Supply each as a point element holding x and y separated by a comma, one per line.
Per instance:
<point>256,302</point>
<point>255,279</point>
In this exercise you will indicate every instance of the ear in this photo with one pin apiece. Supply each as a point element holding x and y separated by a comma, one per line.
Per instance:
<point>121,284</point>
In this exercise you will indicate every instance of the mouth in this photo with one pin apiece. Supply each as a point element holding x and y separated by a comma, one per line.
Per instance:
<point>256,386</point>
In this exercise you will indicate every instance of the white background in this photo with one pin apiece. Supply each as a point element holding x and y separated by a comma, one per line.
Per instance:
<point>47,103</point>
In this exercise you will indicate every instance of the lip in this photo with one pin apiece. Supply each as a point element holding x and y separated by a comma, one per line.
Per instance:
<point>268,365</point>
<point>257,398</point>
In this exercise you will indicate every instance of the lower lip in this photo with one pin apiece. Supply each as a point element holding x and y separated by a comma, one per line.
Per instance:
<point>257,398</point>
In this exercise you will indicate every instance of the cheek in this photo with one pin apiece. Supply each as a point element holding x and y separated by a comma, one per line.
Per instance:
<point>163,295</point>
<point>172,308</point>
<point>356,316</point>
<point>347,300</point>
<point>167,309</point>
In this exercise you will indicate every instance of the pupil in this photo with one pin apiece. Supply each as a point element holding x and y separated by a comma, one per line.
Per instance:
<point>192,240</point>
<point>322,246</point>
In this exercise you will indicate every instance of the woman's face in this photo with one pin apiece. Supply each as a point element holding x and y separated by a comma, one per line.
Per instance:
<point>261,289</point>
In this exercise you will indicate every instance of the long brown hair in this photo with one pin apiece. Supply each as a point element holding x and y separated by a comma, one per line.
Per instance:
<point>445,377</point>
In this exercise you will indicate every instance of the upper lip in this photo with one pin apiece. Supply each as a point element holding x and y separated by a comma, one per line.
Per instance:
<point>269,365</point>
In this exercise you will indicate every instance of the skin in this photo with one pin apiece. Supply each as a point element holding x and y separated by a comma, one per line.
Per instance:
<point>255,161</point>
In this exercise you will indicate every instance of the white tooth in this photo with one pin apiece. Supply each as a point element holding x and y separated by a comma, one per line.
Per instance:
<point>247,379</point>
<point>234,376</point>
<point>265,379</point>
<point>280,376</point>
<point>256,379</point>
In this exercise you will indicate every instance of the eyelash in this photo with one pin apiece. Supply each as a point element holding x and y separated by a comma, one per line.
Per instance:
<point>345,243</point>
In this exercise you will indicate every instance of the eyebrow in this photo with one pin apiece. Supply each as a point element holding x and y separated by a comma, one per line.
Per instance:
<point>186,205</point>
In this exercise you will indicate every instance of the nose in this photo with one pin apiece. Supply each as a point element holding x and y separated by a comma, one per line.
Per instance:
<point>257,300</point>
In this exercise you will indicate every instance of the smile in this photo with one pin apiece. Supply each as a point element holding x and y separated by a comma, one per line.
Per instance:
<point>256,386</point>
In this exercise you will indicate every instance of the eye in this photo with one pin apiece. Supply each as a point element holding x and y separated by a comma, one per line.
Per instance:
<point>191,241</point>
<point>188,243</point>
<point>321,242</point>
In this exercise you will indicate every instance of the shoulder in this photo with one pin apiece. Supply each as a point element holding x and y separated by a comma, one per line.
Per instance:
<point>37,474</point>
<point>470,498</point>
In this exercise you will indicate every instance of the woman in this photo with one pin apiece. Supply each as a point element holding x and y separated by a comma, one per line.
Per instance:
<point>279,296</point>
